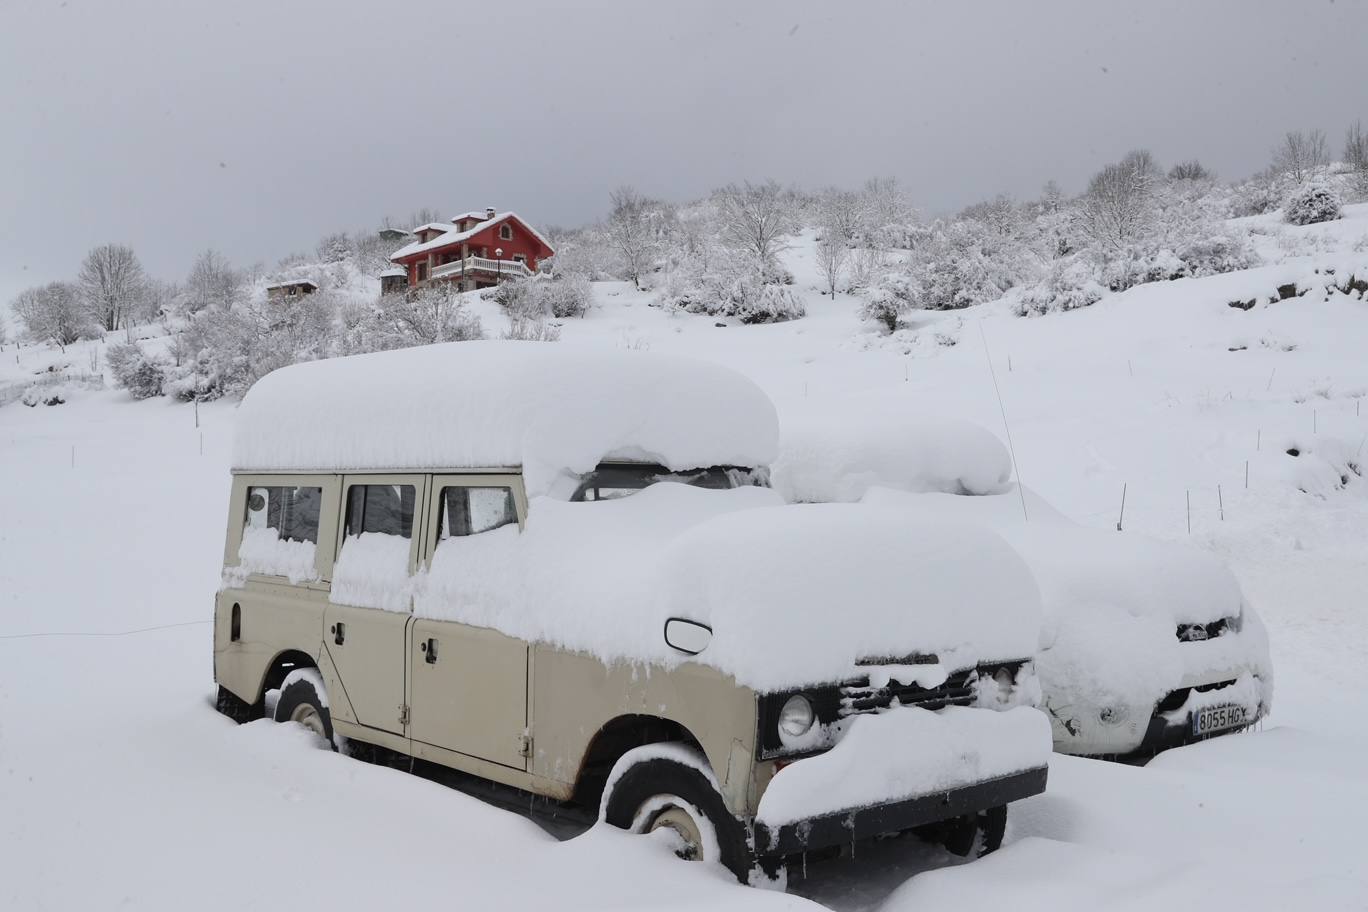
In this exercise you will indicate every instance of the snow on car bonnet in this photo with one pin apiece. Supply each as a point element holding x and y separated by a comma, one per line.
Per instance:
<point>834,453</point>
<point>794,595</point>
<point>547,408</point>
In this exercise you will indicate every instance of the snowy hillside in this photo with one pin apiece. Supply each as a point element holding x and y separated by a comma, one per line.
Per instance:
<point>1242,431</point>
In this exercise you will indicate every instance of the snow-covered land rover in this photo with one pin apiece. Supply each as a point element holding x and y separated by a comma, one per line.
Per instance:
<point>1145,645</point>
<point>433,551</point>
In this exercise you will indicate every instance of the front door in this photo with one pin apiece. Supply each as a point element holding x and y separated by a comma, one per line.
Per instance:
<point>468,684</point>
<point>365,627</point>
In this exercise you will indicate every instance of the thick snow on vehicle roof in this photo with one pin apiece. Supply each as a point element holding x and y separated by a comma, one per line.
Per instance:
<point>795,595</point>
<point>834,452</point>
<point>550,409</point>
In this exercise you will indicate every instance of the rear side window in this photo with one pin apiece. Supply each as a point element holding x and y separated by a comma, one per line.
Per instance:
<point>372,569</point>
<point>292,512</point>
<point>385,509</point>
<point>472,510</point>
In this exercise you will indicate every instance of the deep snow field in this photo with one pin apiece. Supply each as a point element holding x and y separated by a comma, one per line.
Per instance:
<point>121,788</point>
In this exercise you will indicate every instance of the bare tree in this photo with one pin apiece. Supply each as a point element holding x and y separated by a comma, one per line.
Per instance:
<point>52,313</point>
<point>1116,209</point>
<point>888,212</point>
<point>755,217</point>
<point>1301,156</point>
<point>1191,169</point>
<point>213,282</point>
<point>832,256</point>
<point>111,281</point>
<point>1356,155</point>
<point>635,230</point>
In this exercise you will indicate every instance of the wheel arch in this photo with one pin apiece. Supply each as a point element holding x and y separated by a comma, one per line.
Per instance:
<point>615,738</point>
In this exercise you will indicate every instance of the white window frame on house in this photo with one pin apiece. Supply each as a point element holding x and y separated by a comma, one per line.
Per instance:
<point>520,258</point>
<point>505,232</point>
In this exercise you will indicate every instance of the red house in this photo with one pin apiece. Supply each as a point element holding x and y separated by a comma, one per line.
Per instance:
<point>475,250</point>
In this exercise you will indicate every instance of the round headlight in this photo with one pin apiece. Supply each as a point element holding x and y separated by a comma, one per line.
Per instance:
<point>796,718</point>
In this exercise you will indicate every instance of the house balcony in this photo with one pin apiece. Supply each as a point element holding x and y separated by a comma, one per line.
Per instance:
<point>481,268</point>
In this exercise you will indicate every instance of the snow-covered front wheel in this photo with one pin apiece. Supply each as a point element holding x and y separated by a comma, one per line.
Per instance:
<point>665,788</point>
<point>303,700</point>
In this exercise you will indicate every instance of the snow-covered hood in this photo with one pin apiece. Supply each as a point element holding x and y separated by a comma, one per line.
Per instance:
<point>1081,568</point>
<point>795,595</point>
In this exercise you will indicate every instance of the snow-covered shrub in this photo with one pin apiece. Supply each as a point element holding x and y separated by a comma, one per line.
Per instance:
<point>1140,264</point>
<point>567,295</point>
<point>1314,202</point>
<point>1217,253</point>
<point>133,369</point>
<point>888,300</point>
<point>733,288</point>
<point>1071,284</point>
<point>435,313</point>
<point>44,395</point>
<point>529,328</point>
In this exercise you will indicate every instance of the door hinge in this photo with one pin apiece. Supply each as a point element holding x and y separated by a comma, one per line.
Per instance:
<point>524,745</point>
<point>403,714</point>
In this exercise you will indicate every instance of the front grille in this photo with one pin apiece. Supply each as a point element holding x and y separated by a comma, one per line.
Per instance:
<point>1177,698</point>
<point>858,696</point>
<point>1196,633</point>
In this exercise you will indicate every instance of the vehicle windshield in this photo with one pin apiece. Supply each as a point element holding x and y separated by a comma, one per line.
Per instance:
<point>611,482</point>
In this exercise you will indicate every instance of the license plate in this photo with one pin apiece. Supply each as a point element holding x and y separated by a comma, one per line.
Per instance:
<point>1218,718</point>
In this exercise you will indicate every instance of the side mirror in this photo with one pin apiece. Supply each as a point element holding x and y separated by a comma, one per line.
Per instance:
<point>687,636</point>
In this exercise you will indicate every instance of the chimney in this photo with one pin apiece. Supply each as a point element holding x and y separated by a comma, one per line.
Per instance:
<point>489,212</point>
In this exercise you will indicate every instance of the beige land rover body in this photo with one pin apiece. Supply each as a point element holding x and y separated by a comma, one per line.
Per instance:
<point>434,552</point>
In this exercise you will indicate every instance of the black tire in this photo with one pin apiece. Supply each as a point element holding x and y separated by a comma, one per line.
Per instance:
<point>299,697</point>
<point>661,776</point>
<point>236,708</point>
<point>976,834</point>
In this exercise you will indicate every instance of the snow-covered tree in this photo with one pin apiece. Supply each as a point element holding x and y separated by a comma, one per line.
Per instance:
<point>432,314</point>
<point>1301,156</point>
<point>1356,157</point>
<point>1118,205</point>
<point>890,220</point>
<point>53,313</point>
<point>1190,170</point>
<point>111,282</point>
<point>1315,201</point>
<point>755,218</point>
<point>841,214</point>
<point>213,282</point>
<point>832,255</point>
<point>636,227</point>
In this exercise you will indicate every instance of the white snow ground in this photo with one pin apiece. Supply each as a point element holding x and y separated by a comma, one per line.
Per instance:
<point>119,786</point>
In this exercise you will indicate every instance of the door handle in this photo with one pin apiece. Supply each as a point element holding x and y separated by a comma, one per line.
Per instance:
<point>339,632</point>
<point>430,649</point>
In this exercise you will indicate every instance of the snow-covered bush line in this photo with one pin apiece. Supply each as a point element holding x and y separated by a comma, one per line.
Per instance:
<point>1069,286</point>
<point>746,297</point>
<point>561,296</point>
<point>36,395</point>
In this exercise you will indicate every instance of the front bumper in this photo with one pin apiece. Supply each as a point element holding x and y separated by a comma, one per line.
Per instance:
<point>844,827</point>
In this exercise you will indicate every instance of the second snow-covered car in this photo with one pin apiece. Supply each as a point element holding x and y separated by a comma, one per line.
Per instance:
<point>554,569</point>
<point>1144,645</point>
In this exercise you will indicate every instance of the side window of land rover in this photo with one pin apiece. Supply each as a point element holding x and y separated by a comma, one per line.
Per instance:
<point>380,508</point>
<point>472,510</point>
<point>290,512</point>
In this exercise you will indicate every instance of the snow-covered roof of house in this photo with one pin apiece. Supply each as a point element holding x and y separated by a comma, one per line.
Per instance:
<point>554,410</point>
<point>394,271</point>
<point>451,236</point>
<point>480,216</point>
<point>432,226</point>
<point>287,283</point>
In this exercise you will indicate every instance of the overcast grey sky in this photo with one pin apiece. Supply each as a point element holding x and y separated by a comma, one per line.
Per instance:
<point>255,126</point>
